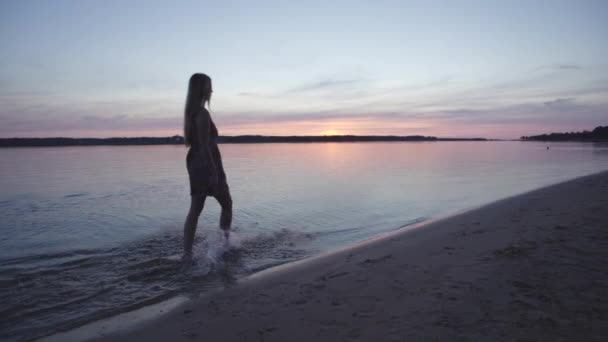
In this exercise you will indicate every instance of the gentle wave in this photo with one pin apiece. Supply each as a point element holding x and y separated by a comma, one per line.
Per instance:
<point>59,291</point>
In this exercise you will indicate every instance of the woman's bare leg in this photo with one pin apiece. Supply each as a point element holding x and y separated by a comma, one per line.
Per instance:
<point>196,207</point>
<point>225,201</point>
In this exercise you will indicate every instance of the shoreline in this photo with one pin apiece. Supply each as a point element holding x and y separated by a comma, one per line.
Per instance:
<point>356,291</point>
<point>223,139</point>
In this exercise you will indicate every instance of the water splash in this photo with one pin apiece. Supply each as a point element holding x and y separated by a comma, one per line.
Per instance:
<point>219,245</point>
<point>55,292</point>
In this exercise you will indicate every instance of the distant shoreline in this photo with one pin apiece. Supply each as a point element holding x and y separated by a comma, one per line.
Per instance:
<point>599,134</point>
<point>241,139</point>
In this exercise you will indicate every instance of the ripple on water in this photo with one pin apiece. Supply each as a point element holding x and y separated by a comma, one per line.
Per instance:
<point>52,292</point>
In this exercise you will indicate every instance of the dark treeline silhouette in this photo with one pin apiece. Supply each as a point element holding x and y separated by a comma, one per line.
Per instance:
<point>600,133</point>
<point>241,139</point>
<point>24,142</point>
<point>332,138</point>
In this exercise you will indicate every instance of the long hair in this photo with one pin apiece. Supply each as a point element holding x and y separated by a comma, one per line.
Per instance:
<point>199,92</point>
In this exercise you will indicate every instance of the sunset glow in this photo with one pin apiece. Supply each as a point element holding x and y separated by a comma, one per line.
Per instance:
<point>332,132</point>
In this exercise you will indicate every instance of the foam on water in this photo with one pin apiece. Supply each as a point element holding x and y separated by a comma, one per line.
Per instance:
<point>222,244</point>
<point>56,292</point>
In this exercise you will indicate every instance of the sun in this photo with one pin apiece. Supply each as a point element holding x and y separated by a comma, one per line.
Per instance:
<point>332,132</point>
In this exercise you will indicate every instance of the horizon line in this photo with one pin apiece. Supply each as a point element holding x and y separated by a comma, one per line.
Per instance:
<point>259,135</point>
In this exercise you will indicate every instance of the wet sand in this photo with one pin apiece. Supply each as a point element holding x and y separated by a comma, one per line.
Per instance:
<point>531,267</point>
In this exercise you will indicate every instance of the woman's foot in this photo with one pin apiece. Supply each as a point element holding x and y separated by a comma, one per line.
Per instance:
<point>226,233</point>
<point>187,259</point>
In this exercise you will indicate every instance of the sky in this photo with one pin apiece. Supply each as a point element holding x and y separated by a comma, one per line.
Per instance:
<point>493,69</point>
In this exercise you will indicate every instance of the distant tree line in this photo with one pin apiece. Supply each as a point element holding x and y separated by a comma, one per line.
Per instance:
<point>241,139</point>
<point>325,138</point>
<point>600,133</point>
<point>25,142</point>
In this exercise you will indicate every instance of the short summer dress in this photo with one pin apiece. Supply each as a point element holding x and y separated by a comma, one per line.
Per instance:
<point>198,171</point>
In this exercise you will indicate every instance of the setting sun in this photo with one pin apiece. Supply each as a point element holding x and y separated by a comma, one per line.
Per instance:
<point>332,132</point>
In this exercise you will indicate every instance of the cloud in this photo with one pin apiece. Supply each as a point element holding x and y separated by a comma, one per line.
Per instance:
<point>356,105</point>
<point>326,89</point>
<point>23,118</point>
<point>507,121</point>
<point>558,111</point>
<point>559,66</point>
<point>510,120</point>
<point>246,93</point>
<point>324,84</point>
<point>55,123</point>
<point>567,67</point>
<point>559,103</point>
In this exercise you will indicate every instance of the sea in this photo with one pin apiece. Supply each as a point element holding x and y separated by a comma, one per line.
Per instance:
<point>91,232</point>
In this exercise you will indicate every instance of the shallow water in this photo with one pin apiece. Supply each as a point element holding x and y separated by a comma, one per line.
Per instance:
<point>89,232</point>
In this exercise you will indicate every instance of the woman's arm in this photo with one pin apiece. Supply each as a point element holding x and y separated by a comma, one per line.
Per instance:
<point>203,125</point>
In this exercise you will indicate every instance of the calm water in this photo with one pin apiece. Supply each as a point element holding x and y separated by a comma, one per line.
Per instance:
<point>88,232</point>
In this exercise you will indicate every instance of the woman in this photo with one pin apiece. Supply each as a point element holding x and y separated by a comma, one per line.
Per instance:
<point>204,162</point>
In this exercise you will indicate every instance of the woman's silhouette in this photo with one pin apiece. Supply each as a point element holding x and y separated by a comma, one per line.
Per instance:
<point>204,162</point>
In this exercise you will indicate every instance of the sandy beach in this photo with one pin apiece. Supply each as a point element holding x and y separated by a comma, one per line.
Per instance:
<point>530,267</point>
